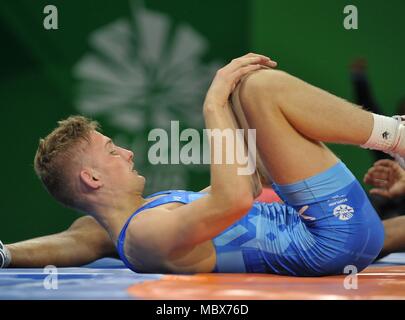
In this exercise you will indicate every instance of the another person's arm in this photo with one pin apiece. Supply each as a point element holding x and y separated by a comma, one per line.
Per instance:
<point>84,242</point>
<point>362,89</point>
<point>394,240</point>
<point>363,94</point>
<point>388,180</point>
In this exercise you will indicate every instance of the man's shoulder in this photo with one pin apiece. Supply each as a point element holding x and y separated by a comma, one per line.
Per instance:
<point>147,228</point>
<point>150,238</point>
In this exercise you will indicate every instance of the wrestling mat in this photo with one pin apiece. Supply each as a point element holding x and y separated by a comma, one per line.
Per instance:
<point>110,279</point>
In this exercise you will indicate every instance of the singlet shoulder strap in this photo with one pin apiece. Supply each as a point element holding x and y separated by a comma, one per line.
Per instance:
<point>172,196</point>
<point>163,192</point>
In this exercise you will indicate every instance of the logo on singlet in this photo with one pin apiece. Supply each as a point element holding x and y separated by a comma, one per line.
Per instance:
<point>343,212</point>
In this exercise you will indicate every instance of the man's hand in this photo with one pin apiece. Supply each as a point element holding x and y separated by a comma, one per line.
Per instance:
<point>228,77</point>
<point>387,177</point>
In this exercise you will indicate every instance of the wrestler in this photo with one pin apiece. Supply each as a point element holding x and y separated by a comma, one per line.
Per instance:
<point>325,223</point>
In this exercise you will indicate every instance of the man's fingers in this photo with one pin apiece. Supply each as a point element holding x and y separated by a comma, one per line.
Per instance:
<point>254,55</point>
<point>272,64</point>
<point>380,183</point>
<point>262,56</point>
<point>380,180</point>
<point>368,179</point>
<point>253,60</point>
<point>379,172</point>
<point>238,74</point>
<point>385,163</point>
<point>380,192</point>
<point>245,61</point>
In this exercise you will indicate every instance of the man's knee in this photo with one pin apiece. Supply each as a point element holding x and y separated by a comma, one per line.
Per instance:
<point>264,86</point>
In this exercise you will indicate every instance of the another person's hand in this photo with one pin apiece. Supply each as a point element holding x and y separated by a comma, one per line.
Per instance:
<point>228,77</point>
<point>387,178</point>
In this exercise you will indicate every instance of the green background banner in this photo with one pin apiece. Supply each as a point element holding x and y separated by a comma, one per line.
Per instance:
<point>135,66</point>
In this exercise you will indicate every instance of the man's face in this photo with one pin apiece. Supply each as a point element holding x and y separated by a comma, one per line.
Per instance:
<point>113,165</point>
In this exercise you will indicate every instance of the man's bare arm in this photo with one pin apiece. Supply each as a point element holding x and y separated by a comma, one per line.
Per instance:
<point>84,242</point>
<point>394,240</point>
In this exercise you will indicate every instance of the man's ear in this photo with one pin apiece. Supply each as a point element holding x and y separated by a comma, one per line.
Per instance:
<point>90,178</point>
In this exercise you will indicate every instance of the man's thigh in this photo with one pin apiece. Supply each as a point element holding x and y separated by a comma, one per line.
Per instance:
<point>287,155</point>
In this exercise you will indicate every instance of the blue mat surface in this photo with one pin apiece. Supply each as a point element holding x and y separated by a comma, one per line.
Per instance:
<point>104,279</point>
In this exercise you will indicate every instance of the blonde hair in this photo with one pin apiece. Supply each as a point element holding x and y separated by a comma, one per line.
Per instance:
<point>54,154</point>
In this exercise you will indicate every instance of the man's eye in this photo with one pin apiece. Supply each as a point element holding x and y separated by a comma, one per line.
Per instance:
<point>113,152</point>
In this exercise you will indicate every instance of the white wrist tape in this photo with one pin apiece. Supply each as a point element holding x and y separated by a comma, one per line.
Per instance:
<point>5,256</point>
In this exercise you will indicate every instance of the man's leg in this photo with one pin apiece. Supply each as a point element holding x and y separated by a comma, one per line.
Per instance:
<point>335,225</point>
<point>292,118</point>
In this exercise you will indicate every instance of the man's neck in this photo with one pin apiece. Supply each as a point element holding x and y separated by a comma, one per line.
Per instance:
<point>114,215</point>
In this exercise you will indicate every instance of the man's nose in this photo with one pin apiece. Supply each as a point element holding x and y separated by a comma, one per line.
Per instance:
<point>131,155</point>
